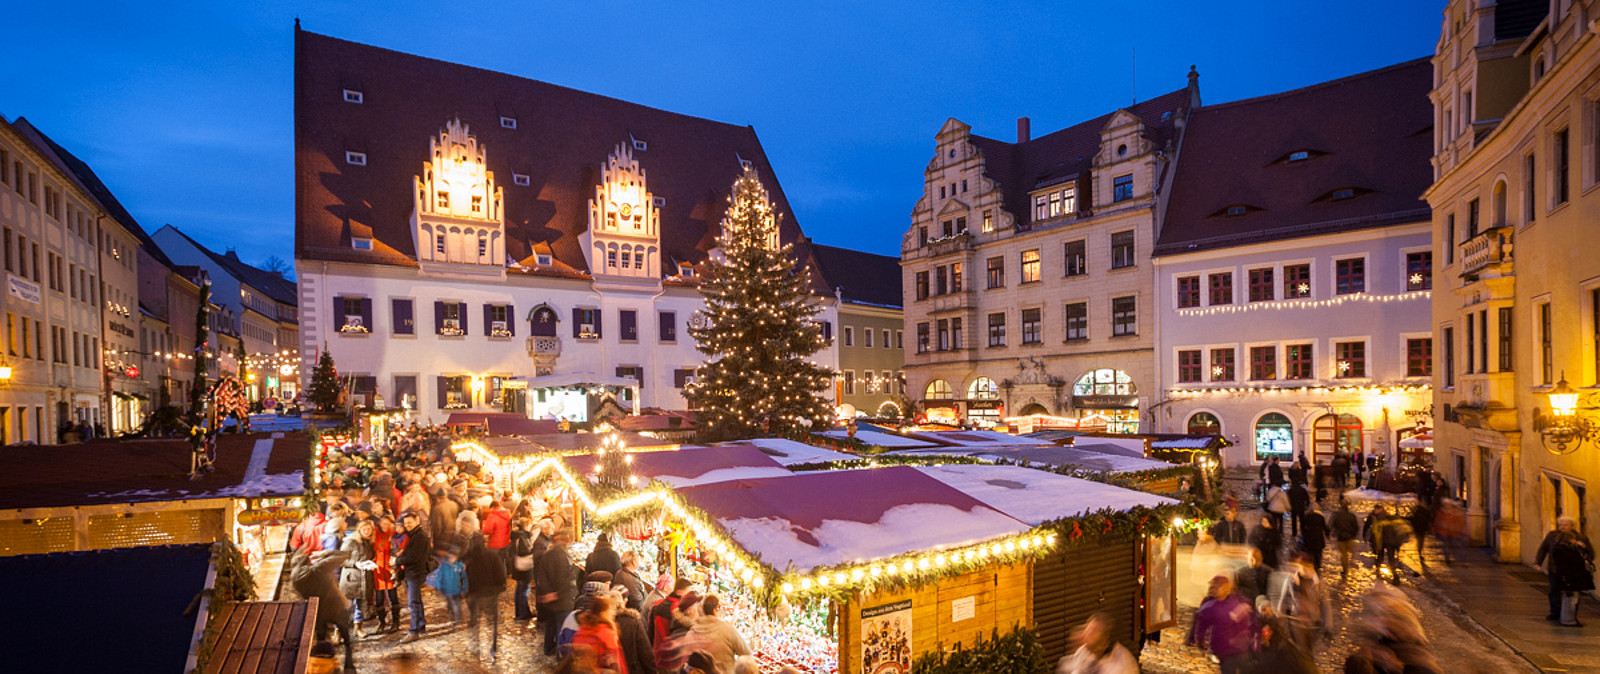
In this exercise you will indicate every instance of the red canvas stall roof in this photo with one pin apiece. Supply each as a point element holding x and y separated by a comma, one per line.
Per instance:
<point>695,465</point>
<point>137,471</point>
<point>806,520</point>
<point>503,423</point>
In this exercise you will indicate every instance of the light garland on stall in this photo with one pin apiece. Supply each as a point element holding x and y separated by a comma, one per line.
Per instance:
<point>1305,303</point>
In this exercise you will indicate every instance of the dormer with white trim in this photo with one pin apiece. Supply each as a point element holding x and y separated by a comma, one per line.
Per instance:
<point>623,238</point>
<point>457,221</point>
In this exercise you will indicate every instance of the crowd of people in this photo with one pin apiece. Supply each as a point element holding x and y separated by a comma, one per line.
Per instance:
<point>405,516</point>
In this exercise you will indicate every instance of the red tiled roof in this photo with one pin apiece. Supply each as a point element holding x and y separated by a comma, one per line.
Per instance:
<point>562,138</point>
<point>1370,132</point>
<point>133,471</point>
<point>1020,168</point>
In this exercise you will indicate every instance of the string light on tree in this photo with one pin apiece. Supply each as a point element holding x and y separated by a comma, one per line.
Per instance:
<point>758,329</point>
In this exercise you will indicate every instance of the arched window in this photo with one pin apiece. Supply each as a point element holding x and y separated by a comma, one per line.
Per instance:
<point>939,389</point>
<point>1204,423</point>
<point>1104,382</point>
<point>1334,433</point>
<point>983,388</point>
<point>1498,205</point>
<point>1274,437</point>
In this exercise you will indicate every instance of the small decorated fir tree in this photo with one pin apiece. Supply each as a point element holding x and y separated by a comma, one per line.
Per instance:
<point>759,329</point>
<point>325,388</point>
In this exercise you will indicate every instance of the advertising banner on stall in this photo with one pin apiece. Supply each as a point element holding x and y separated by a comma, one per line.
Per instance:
<point>886,638</point>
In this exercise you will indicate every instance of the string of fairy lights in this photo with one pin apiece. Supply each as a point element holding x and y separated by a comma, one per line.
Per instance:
<point>1305,303</point>
<point>1377,390</point>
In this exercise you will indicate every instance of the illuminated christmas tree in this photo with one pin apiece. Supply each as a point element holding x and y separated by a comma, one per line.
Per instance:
<point>759,329</point>
<point>325,387</point>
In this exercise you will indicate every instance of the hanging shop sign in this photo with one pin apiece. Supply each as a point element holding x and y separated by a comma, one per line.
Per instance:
<point>273,515</point>
<point>26,291</point>
<point>985,405</point>
<point>886,638</point>
<point>1105,402</point>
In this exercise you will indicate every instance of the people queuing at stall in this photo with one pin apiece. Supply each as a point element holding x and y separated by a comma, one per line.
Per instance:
<point>407,514</point>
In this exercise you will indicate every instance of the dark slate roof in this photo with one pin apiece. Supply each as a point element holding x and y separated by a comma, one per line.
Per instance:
<point>1020,168</point>
<point>1516,19</point>
<point>1370,132</point>
<point>563,136</point>
<point>119,610</point>
<point>272,284</point>
<point>90,183</point>
<point>862,278</point>
<point>136,471</point>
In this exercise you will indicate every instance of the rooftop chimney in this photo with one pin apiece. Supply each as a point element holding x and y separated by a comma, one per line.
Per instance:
<point>1024,132</point>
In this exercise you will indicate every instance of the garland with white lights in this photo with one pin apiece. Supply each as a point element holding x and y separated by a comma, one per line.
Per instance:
<point>1238,390</point>
<point>1305,303</point>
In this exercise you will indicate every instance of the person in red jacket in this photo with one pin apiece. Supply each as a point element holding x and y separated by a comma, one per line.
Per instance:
<point>496,528</point>
<point>307,535</point>
<point>597,631</point>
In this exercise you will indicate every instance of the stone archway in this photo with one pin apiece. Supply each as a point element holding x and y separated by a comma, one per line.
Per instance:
<point>1031,409</point>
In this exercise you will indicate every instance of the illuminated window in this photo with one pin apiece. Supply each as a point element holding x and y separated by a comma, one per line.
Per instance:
<point>1296,281</point>
<point>1299,155</point>
<point>477,204</point>
<point>1274,437</point>
<point>1204,423</point>
<point>359,243</point>
<point>983,388</point>
<point>938,389</point>
<point>1030,266</point>
<point>444,200</point>
<point>1222,364</point>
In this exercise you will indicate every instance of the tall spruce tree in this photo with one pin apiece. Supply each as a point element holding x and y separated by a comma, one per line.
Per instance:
<point>759,329</point>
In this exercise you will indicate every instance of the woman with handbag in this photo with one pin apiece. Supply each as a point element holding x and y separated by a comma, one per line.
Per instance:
<point>1571,571</point>
<point>522,554</point>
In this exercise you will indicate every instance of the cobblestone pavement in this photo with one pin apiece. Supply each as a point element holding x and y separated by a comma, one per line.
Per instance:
<point>444,649</point>
<point>1461,646</point>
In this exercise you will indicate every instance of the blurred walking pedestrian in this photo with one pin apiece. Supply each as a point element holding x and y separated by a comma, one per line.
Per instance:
<point>1225,624</point>
<point>1568,559</point>
<point>1097,652</point>
<point>1345,528</point>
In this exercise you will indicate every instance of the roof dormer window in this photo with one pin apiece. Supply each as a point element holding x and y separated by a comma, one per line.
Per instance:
<point>508,122</point>
<point>638,144</point>
<point>1342,193</point>
<point>353,96</point>
<point>1237,210</point>
<point>685,270</point>
<point>355,158</point>
<point>1299,155</point>
<point>520,179</point>
<point>658,202</point>
<point>361,243</point>
<point>542,259</point>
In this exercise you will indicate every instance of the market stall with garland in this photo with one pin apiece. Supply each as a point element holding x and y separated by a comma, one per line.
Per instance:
<point>826,570</point>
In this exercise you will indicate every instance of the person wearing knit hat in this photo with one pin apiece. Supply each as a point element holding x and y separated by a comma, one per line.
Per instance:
<point>594,584</point>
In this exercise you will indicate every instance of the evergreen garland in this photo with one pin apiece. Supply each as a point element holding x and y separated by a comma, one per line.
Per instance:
<point>1018,652</point>
<point>760,331</point>
<point>202,339</point>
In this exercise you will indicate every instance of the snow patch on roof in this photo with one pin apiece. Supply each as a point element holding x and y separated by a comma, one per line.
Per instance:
<point>880,439</point>
<point>1035,496</point>
<point>902,529</point>
<point>723,475</point>
<point>790,452</point>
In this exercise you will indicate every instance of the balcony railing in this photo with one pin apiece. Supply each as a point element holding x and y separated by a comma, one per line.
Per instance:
<point>544,346</point>
<point>1490,247</point>
<point>950,244</point>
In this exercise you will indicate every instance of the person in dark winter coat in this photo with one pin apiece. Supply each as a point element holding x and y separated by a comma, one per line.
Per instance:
<point>1421,524</point>
<point>1314,536</point>
<point>1565,555</point>
<point>1229,529</point>
<point>1299,501</point>
<point>1252,580</point>
<point>486,579</point>
<point>632,635</point>
<point>554,586</point>
<point>1267,539</point>
<point>603,558</point>
<point>628,578</point>
<point>1280,655</point>
<point>1271,472</point>
<point>1345,529</point>
<point>413,562</point>
<point>316,575</point>
<point>523,555</point>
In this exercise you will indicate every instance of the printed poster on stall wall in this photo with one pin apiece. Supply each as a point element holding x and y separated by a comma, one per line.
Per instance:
<point>886,638</point>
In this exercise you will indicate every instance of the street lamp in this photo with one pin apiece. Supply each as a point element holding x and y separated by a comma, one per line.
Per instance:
<point>5,370</point>
<point>1562,430</point>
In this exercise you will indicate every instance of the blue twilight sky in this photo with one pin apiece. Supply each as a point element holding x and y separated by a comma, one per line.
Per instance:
<point>185,109</point>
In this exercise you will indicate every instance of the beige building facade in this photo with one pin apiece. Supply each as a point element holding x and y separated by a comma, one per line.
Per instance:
<point>1516,304</point>
<point>1027,276</point>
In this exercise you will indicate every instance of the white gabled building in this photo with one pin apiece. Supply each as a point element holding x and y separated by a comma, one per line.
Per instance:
<point>462,233</point>
<point>1294,272</point>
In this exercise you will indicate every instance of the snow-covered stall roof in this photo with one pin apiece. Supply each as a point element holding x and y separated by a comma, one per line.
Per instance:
<point>807,520</point>
<point>694,466</point>
<point>790,452</point>
<point>1053,455</point>
<point>981,439</point>
<point>1035,496</point>
<point>880,439</point>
